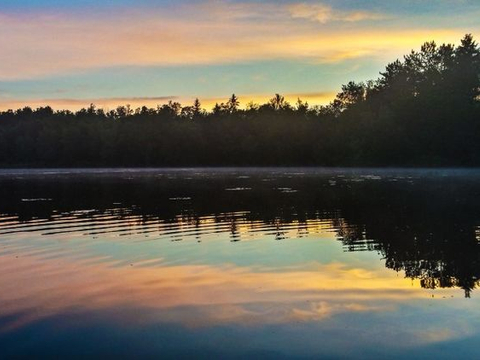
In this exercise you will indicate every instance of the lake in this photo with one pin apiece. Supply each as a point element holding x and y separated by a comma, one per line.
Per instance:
<point>239,263</point>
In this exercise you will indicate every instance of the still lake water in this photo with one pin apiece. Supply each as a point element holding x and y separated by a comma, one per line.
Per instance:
<point>257,263</point>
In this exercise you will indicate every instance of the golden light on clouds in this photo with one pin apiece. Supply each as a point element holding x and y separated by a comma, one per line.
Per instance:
<point>51,44</point>
<point>113,56</point>
<point>324,13</point>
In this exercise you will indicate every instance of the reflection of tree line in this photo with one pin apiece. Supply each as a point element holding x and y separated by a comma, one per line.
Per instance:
<point>436,259</point>
<point>242,226</point>
<point>441,254</point>
<point>427,230</point>
<point>441,251</point>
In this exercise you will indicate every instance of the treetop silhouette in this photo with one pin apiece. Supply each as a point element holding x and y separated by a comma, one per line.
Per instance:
<point>423,110</point>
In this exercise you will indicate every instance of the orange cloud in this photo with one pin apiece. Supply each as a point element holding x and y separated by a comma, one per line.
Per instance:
<point>324,13</point>
<point>206,33</point>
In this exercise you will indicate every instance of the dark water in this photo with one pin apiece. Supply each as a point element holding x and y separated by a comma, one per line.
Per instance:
<point>266,263</point>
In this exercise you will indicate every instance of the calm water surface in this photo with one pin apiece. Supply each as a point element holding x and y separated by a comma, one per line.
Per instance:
<point>259,263</point>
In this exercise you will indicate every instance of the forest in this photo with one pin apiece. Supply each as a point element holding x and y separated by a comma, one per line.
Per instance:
<point>423,110</point>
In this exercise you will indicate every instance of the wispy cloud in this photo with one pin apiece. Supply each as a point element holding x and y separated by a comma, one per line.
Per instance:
<point>325,13</point>
<point>36,45</point>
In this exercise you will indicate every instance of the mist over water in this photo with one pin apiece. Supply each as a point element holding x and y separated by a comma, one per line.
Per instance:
<point>302,262</point>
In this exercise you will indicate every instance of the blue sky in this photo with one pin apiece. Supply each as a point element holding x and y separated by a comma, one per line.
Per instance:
<point>71,53</point>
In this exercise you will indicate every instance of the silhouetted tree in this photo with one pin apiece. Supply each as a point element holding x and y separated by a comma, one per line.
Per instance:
<point>278,102</point>
<point>423,110</point>
<point>232,104</point>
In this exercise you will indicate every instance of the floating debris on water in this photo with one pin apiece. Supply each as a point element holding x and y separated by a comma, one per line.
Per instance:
<point>372,177</point>
<point>287,190</point>
<point>37,199</point>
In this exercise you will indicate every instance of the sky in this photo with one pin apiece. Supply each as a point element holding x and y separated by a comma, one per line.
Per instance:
<point>70,53</point>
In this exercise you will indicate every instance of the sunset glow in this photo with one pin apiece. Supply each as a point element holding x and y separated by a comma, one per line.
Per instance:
<point>147,52</point>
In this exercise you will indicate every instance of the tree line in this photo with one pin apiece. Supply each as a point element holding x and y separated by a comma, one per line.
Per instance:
<point>423,110</point>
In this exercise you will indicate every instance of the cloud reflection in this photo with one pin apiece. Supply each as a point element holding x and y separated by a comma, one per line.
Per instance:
<point>35,288</point>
